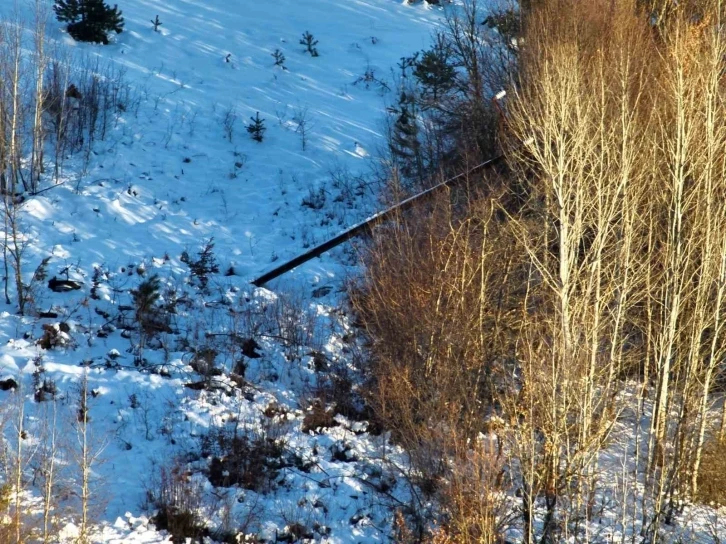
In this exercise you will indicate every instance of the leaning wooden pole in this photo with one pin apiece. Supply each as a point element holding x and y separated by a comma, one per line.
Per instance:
<point>365,227</point>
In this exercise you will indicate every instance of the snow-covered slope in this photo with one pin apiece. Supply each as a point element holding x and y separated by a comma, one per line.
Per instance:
<point>178,169</point>
<point>192,178</point>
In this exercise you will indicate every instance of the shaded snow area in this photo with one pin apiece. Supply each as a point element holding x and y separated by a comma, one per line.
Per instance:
<point>177,169</point>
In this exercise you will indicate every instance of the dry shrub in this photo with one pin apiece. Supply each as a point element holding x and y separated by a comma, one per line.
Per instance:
<point>438,302</point>
<point>177,499</point>
<point>476,509</point>
<point>7,530</point>
<point>435,288</point>
<point>712,474</point>
<point>402,533</point>
<point>318,416</point>
<point>292,320</point>
<point>336,393</point>
<point>252,461</point>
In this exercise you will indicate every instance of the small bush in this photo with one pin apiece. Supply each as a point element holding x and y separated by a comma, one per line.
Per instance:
<point>318,415</point>
<point>252,462</point>
<point>99,277</point>
<point>146,297</point>
<point>177,500</point>
<point>151,316</point>
<point>315,199</point>
<point>294,321</point>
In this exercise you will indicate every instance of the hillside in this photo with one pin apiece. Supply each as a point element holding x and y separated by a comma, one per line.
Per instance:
<point>176,171</point>
<point>534,351</point>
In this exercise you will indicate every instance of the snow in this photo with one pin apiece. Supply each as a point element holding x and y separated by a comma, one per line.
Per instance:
<point>168,178</point>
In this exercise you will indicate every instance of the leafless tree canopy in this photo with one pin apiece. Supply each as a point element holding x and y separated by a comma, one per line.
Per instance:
<point>513,341</point>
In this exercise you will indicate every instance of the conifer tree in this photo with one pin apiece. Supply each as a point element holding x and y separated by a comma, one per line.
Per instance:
<point>404,141</point>
<point>89,20</point>
<point>435,70</point>
<point>309,41</point>
<point>257,128</point>
<point>67,11</point>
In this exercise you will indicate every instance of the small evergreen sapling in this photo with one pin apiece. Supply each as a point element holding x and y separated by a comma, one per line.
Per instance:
<point>201,268</point>
<point>404,138</point>
<point>309,42</point>
<point>151,316</point>
<point>279,57</point>
<point>257,128</point>
<point>146,298</point>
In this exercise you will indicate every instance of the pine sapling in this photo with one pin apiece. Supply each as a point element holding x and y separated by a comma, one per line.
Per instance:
<point>201,268</point>
<point>257,128</point>
<point>309,42</point>
<point>279,57</point>
<point>146,299</point>
<point>435,70</point>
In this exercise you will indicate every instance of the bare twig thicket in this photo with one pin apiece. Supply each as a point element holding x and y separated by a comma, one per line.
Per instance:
<point>48,100</point>
<point>537,327</point>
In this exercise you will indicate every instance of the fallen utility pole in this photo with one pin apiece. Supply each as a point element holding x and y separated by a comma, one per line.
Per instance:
<point>365,227</point>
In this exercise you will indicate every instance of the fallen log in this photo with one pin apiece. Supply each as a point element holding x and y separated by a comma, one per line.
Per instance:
<point>365,227</point>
